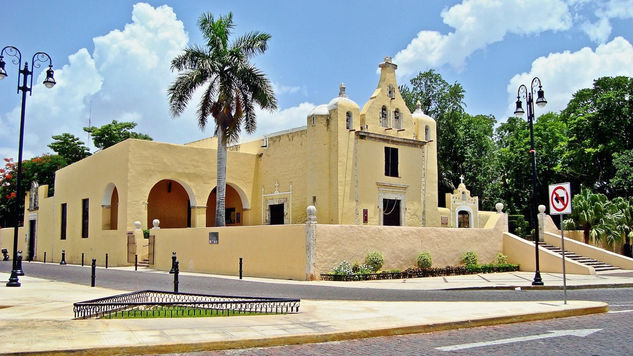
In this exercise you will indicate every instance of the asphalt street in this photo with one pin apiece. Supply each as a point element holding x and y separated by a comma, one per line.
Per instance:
<point>131,280</point>
<point>601,334</point>
<point>608,334</point>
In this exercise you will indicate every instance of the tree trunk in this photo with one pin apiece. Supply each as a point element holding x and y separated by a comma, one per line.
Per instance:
<point>220,196</point>
<point>585,233</point>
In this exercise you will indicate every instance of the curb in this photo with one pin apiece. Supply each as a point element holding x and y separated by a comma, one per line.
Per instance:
<point>327,337</point>
<point>586,286</point>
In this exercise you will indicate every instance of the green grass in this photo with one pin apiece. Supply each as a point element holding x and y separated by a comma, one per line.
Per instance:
<point>175,312</point>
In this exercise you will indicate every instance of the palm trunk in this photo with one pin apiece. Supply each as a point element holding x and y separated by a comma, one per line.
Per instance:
<point>220,197</point>
<point>585,234</point>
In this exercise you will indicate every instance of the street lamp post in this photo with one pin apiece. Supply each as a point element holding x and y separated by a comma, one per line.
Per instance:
<point>27,84</point>
<point>540,101</point>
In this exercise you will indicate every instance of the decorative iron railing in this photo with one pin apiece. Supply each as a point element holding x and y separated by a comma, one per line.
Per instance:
<point>205,304</point>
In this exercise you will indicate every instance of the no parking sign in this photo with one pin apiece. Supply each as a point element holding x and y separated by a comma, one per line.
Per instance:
<point>560,199</point>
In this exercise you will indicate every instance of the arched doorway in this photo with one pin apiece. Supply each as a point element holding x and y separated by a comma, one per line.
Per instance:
<point>110,208</point>
<point>233,205</point>
<point>169,202</point>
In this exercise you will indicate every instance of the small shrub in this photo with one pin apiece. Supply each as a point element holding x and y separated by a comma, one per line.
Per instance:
<point>374,260</point>
<point>146,233</point>
<point>425,260</point>
<point>343,268</point>
<point>355,267</point>
<point>469,258</point>
<point>500,259</point>
<point>364,269</point>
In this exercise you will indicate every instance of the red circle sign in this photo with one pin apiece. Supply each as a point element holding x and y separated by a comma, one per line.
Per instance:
<point>559,199</point>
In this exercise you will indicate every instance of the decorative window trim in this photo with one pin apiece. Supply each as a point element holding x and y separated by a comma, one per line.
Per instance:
<point>276,197</point>
<point>394,192</point>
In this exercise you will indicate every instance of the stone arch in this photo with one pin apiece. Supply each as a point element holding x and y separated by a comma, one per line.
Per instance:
<point>235,204</point>
<point>464,212</point>
<point>170,201</point>
<point>110,208</point>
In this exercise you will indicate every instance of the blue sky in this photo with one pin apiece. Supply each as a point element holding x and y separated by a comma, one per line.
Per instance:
<point>111,58</point>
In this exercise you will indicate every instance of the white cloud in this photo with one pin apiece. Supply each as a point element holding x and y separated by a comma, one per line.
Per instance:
<point>600,29</point>
<point>125,78</point>
<point>478,23</point>
<point>562,74</point>
<point>269,122</point>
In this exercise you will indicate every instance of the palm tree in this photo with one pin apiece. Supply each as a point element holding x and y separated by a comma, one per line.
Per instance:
<point>589,212</point>
<point>233,87</point>
<point>625,222</point>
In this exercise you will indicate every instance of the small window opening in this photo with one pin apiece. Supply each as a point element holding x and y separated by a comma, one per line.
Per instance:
<point>391,162</point>
<point>427,133</point>
<point>384,120</point>
<point>85,218</point>
<point>349,122</point>
<point>397,123</point>
<point>64,222</point>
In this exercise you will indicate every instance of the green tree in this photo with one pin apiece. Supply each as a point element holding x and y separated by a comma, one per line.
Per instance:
<point>591,214</point>
<point>622,181</point>
<point>113,133</point>
<point>514,167</point>
<point>624,222</point>
<point>70,147</point>
<point>465,142</point>
<point>600,125</point>
<point>39,169</point>
<point>232,87</point>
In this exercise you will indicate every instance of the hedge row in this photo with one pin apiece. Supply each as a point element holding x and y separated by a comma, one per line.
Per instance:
<point>423,272</point>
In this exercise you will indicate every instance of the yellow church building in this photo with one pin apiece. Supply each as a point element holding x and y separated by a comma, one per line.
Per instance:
<point>375,166</point>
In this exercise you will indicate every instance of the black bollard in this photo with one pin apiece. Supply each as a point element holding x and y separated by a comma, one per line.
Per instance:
<point>63,261</point>
<point>94,271</point>
<point>240,267</point>
<point>18,267</point>
<point>5,254</point>
<point>173,262</point>
<point>44,256</point>
<point>82,259</point>
<point>136,262</point>
<point>106,265</point>
<point>176,272</point>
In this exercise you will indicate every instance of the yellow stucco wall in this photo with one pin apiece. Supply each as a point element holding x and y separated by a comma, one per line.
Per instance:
<point>276,251</point>
<point>522,252</point>
<point>401,245</point>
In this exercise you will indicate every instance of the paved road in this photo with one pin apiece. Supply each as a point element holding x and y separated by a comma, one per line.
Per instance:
<point>615,337</point>
<point>131,280</point>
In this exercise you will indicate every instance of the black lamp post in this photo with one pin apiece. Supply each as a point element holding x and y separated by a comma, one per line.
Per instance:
<point>540,101</point>
<point>25,87</point>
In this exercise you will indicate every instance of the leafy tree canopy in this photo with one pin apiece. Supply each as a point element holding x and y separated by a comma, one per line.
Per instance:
<point>600,125</point>
<point>113,133</point>
<point>70,147</point>
<point>39,169</point>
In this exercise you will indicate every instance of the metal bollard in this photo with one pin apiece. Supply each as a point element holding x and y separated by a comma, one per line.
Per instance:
<point>44,256</point>
<point>94,271</point>
<point>18,265</point>
<point>106,265</point>
<point>173,262</point>
<point>63,261</point>
<point>176,272</point>
<point>82,259</point>
<point>136,262</point>
<point>240,267</point>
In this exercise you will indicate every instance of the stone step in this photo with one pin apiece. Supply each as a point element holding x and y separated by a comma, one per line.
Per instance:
<point>598,266</point>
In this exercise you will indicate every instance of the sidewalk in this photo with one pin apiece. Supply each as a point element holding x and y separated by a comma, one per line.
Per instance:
<point>37,317</point>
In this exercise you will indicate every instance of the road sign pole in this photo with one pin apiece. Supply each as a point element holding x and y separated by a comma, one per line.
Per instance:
<point>562,241</point>
<point>560,204</point>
